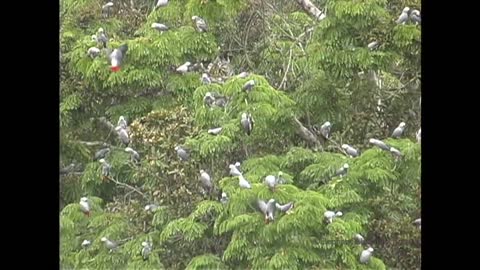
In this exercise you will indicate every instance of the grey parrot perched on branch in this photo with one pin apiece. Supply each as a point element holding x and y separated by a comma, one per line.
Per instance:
<point>134,156</point>
<point>208,99</point>
<point>330,215</point>
<point>111,245</point>
<point>122,122</point>
<point>93,52</point>
<point>271,182</point>
<point>403,18</point>
<point>184,68</point>
<point>224,198</point>
<point>146,249</point>
<point>359,238</point>
<point>117,56</point>
<point>415,16</point>
<point>379,144</point>
<point>342,171</point>
<point>206,181</point>
<point>182,153</point>
<point>243,183</point>
<point>107,9</point>
<point>398,132</point>
<point>366,255</point>
<point>106,168</point>
<point>373,45</point>
<point>215,131</point>
<point>85,206</point>
<point>267,209</point>
<point>247,123</point>
<point>325,130</point>
<point>161,3</point>
<point>284,208</point>
<point>86,243</point>
<point>102,37</point>
<point>248,86</point>
<point>123,135</point>
<point>352,152</point>
<point>159,27</point>
<point>200,24</point>
<point>234,171</point>
<point>102,153</point>
<point>206,79</point>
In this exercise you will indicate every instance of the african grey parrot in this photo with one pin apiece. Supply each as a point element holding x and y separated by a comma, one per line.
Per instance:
<point>160,27</point>
<point>116,57</point>
<point>220,101</point>
<point>123,135</point>
<point>403,18</point>
<point>280,179</point>
<point>151,207</point>
<point>325,130</point>
<point>161,3</point>
<point>418,222</point>
<point>395,152</point>
<point>184,68</point>
<point>352,152</point>
<point>224,198</point>
<point>206,79</point>
<point>134,156</point>
<point>247,123</point>
<point>415,16</point>
<point>372,45</point>
<point>102,153</point>
<point>111,245</point>
<point>182,153</point>
<point>243,183</point>
<point>122,122</point>
<point>234,171</point>
<point>85,206</point>
<point>271,182</point>
<point>146,250</point>
<point>86,243</point>
<point>419,135</point>
<point>93,52</point>
<point>329,215</point>
<point>107,9</point>
<point>67,169</point>
<point>243,75</point>
<point>215,131</point>
<point>379,144</point>
<point>237,164</point>
<point>200,23</point>
<point>206,180</point>
<point>284,208</point>
<point>365,255</point>
<point>342,171</point>
<point>359,238</point>
<point>102,38</point>
<point>106,168</point>
<point>397,133</point>
<point>248,86</point>
<point>267,209</point>
<point>208,99</point>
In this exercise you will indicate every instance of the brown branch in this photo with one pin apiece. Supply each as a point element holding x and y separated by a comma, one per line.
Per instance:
<point>311,9</point>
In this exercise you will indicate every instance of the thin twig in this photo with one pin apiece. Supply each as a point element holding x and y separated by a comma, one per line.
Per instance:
<point>128,186</point>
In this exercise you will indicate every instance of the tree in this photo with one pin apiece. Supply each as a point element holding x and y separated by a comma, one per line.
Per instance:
<point>304,68</point>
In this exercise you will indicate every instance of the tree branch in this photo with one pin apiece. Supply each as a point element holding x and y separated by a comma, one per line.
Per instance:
<point>127,186</point>
<point>311,9</point>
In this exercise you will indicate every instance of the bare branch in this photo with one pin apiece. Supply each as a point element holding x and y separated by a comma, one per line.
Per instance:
<point>311,9</point>
<point>127,186</point>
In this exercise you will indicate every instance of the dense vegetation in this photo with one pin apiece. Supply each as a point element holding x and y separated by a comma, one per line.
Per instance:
<point>306,71</point>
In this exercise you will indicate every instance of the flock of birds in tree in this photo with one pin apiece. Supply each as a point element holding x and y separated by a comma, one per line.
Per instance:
<point>247,122</point>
